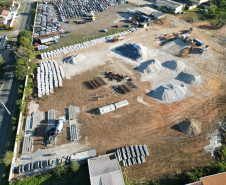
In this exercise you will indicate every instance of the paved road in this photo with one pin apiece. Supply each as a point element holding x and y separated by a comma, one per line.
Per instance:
<point>9,89</point>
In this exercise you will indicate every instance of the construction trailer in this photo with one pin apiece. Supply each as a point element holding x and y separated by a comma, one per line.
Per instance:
<point>112,107</point>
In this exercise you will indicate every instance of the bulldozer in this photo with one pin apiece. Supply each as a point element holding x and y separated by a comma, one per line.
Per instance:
<point>191,29</point>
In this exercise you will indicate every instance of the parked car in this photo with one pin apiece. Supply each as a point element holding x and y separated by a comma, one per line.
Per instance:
<point>67,32</point>
<point>8,46</point>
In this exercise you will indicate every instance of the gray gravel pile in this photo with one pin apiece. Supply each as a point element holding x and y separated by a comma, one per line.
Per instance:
<point>169,93</point>
<point>189,78</point>
<point>174,65</point>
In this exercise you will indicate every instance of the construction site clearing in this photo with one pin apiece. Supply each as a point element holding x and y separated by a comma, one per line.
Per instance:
<point>174,100</point>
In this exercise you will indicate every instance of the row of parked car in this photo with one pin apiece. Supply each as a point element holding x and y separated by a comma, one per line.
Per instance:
<point>45,23</point>
<point>72,9</point>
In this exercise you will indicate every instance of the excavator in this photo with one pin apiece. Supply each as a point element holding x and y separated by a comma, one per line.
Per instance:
<point>118,38</point>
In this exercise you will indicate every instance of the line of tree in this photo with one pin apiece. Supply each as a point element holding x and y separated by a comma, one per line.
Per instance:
<point>217,13</point>
<point>23,53</point>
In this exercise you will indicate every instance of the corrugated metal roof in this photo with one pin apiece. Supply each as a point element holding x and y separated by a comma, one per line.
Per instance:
<point>44,40</point>
<point>121,104</point>
<point>84,155</point>
<point>217,179</point>
<point>105,170</point>
<point>147,10</point>
<point>106,109</point>
<point>169,3</point>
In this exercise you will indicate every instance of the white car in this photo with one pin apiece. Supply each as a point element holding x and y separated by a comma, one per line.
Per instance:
<point>8,46</point>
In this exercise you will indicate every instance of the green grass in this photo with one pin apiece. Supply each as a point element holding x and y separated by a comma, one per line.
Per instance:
<point>5,31</point>
<point>72,39</point>
<point>21,9</point>
<point>193,16</point>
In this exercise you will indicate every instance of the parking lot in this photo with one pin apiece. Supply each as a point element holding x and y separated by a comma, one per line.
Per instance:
<point>107,19</point>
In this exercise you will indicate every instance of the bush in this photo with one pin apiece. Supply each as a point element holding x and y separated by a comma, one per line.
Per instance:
<point>2,5</point>
<point>59,169</point>
<point>8,158</point>
<point>74,166</point>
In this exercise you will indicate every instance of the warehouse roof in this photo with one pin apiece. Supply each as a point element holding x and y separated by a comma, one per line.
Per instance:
<point>121,104</point>
<point>169,3</point>
<point>84,155</point>
<point>216,179</point>
<point>106,109</point>
<point>105,170</point>
<point>46,39</point>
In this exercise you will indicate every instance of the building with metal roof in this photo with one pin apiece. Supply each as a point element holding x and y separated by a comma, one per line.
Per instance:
<point>151,11</point>
<point>84,155</point>
<point>106,109</point>
<point>105,170</point>
<point>216,179</point>
<point>170,6</point>
<point>121,104</point>
<point>46,39</point>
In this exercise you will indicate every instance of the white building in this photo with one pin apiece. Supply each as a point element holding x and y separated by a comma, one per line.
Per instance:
<point>3,42</point>
<point>170,6</point>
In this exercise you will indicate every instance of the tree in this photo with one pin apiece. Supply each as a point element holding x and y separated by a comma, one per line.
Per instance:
<point>25,34</point>
<point>8,158</point>
<point>59,169</point>
<point>33,11</point>
<point>9,6</point>
<point>74,166</point>
<point>20,72</point>
<point>2,5</point>
<point>21,52</point>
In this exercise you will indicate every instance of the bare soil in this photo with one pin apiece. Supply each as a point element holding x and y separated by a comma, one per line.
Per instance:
<point>171,151</point>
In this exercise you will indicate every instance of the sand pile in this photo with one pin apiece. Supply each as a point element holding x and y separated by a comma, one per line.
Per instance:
<point>75,59</point>
<point>174,65</point>
<point>189,78</point>
<point>169,93</point>
<point>150,66</point>
<point>190,127</point>
<point>133,51</point>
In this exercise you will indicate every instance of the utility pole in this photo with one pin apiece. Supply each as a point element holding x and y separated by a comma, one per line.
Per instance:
<point>6,108</point>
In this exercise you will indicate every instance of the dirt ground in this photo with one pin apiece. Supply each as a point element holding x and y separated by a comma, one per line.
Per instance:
<point>171,151</point>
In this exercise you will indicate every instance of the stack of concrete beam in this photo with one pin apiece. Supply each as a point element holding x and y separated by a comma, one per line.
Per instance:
<point>72,122</point>
<point>49,75</point>
<point>73,130</point>
<point>51,119</point>
<point>132,155</point>
<point>29,124</point>
<point>27,144</point>
<point>83,45</point>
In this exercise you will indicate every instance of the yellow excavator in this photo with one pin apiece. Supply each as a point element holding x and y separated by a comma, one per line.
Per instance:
<point>118,38</point>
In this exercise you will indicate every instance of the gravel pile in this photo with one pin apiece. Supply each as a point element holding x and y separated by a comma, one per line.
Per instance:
<point>189,78</point>
<point>151,66</point>
<point>169,93</point>
<point>190,127</point>
<point>174,65</point>
<point>135,52</point>
<point>75,59</point>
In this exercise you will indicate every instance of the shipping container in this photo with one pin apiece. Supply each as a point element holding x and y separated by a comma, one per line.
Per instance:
<point>198,42</point>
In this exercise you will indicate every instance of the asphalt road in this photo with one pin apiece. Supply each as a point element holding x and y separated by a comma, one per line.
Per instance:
<point>9,88</point>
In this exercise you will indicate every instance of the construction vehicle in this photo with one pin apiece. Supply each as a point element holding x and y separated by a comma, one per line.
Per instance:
<point>118,38</point>
<point>191,29</point>
<point>60,125</point>
<point>205,48</point>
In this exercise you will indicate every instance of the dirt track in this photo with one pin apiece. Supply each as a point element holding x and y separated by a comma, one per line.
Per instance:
<point>170,150</point>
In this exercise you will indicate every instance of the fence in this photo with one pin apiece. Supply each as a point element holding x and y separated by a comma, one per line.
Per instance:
<point>17,133</point>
